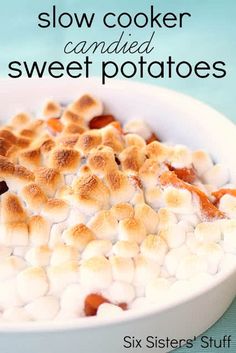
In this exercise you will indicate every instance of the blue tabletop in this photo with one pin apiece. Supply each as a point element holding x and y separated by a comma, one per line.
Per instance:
<point>208,35</point>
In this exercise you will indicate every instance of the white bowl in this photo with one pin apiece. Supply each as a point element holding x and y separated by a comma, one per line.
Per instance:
<point>176,118</point>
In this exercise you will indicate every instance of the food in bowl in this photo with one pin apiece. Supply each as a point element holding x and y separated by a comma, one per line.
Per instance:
<point>99,218</point>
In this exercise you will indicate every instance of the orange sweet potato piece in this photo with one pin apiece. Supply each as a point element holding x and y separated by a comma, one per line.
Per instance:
<point>220,193</point>
<point>152,138</point>
<point>92,303</point>
<point>55,125</point>
<point>185,174</point>
<point>209,211</point>
<point>101,121</point>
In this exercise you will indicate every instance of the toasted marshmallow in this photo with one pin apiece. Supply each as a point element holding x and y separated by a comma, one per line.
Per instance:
<point>44,308</point>
<point>158,151</point>
<point>56,234</point>
<point>97,248</point>
<point>107,310</point>
<point>102,161</point>
<point>32,283</point>
<point>16,315</point>
<point>68,117</point>
<point>78,236</point>
<point>229,231</point>
<point>14,234</point>
<point>122,210</point>
<point>122,269</point>
<point>212,253</point>
<point>63,253</point>
<point>145,270</point>
<point>6,168</point>
<point>154,197</point>
<point>228,205</point>
<point>121,189</point>
<point>91,194</point>
<point>174,257</point>
<point>68,141</point>
<point>9,296</point>
<point>72,300</point>
<point>190,266</point>
<point>4,251</point>
<point>34,196</point>
<point>62,275</point>
<point>38,256</point>
<point>87,107</point>
<point>174,234</point>
<point>132,158</point>
<point>126,249</point>
<point>96,273</point>
<point>208,232</point>
<point>134,140</point>
<point>201,161</point>
<point>149,173</point>
<point>39,229</point>
<point>132,229</point>
<point>139,127</point>
<point>104,225</point>
<point>55,210</point>
<point>88,140</point>
<point>65,160</point>
<point>217,175</point>
<point>180,157</point>
<point>51,109</point>
<point>157,290</point>
<point>113,137</point>
<point>148,216</point>
<point>30,158</point>
<point>19,178</point>
<point>12,209</point>
<point>178,200</point>
<point>49,179</point>
<point>121,292</point>
<point>10,266</point>
<point>154,248</point>
<point>20,120</point>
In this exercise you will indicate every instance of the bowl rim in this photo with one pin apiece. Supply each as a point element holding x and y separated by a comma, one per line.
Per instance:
<point>130,315</point>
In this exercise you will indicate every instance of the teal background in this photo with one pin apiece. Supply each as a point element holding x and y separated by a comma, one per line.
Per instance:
<point>209,35</point>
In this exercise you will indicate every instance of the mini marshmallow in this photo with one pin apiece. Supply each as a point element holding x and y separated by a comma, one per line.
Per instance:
<point>30,158</point>
<point>174,234</point>
<point>112,136</point>
<point>56,234</point>
<point>44,308</point>
<point>179,289</point>
<point>107,310</point>
<point>212,253</point>
<point>122,211</point>
<point>32,283</point>
<point>68,117</point>
<point>97,248</point>
<point>121,292</point>
<point>178,200</point>
<point>191,219</point>
<point>12,209</point>
<point>154,248</point>
<point>16,315</point>
<point>174,257</point>
<point>20,120</point>
<point>14,234</point>
<point>121,189</point>
<point>190,266</point>
<point>20,178</point>
<point>134,140</point>
<point>149,173</point>
<point>139,127</point>
<point>87,107</point>
<point>63,253</point>
<point>158,151</point>
<point>166,218</point>
<point>228,205</point>
<point>180,157</point>
<point>157,290</point>
<point>96,273</point>
<point>122,269</point>
<point>10,266</point>
<point>201,161</point>
<point>132,158</point>
<point>141,304</point>
<point>55,210</point>
<point>51,109</point>
<point>145,270</point>
<point>102,161</point>
<point>65,160</point>
<point>78,236</point>
<point>148,216</point>
<point>39,229</point>
<point>49,180</point>
<point>229,232</point>
<point>20,251</point>
<point>9,296</point>
<point>87,141</point>
<point>126,249</point>
<point>154,197</point>
<point>38,256</point>
<point>200,281</point>
<point>191,242</point>
<point>72,300</point>
<point>34,196</point>
<point>132,229</point>
<point>4,251</point>
<point>217,175</point>
<point>62,275</point>
<point>208,232</point>
<point>104,225</point>
<point>75,217</point>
